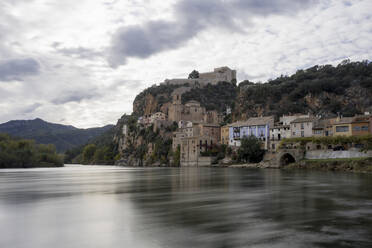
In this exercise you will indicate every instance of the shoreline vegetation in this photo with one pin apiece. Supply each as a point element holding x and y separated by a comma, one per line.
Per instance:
<point>20,153</point>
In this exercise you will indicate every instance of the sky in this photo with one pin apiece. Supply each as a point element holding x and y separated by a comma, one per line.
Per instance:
<point>83,62</point>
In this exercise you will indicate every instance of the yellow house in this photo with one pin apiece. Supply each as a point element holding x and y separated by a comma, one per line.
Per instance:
<point>225,135</point>
<point>351,126</point>
<point>342,126</point>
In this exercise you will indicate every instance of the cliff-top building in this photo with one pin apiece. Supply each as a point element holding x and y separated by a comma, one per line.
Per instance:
<point>221,74</point>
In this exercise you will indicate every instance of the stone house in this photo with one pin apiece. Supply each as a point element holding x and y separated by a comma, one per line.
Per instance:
<point>177,138</point>
<point>257,126</point>
<point>192,149</point>
<point>277,133</point>
<point>323,127</point>
<point>282,129</point>
<point>158,116</point>
<point>302,127</point>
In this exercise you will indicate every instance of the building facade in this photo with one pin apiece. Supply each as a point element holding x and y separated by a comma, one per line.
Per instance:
<point>158,116</point>
<point>258,127</point>
<point>302,127</point>
<point>192,149</point>
<point>225,135</point>
<point>221,74</point>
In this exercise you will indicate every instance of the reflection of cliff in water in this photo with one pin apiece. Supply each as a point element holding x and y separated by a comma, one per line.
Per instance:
<point>232,208</point>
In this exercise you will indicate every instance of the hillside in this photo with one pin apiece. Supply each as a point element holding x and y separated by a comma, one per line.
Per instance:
<point>62,136</point>
<point>321,90</point>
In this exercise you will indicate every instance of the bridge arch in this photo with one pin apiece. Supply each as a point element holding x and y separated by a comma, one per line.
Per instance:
<point>286,158</point>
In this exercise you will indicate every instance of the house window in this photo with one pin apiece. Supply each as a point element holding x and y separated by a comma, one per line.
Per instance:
<point>302,126</point>
<point>364,128</point>
<point>302,134</point>
<point>294,133</point>
<point>342,129</point>
<point>273,146</point>
<point>357,128</point>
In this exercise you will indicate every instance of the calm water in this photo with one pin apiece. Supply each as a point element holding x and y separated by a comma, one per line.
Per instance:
<point>119,207</point>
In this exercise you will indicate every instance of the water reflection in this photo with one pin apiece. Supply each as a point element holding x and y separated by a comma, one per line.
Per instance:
<point>187,207</point>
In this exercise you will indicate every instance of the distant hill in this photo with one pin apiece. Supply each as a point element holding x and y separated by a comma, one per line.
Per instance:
<point>62,136</point>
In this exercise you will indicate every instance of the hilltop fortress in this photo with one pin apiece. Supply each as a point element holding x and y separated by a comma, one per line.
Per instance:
<point>221,74</point>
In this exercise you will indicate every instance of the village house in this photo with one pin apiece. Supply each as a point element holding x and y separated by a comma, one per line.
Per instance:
<point>360,125</point>
<point>351,126</point>
<point>158,116</point>
<point>282,129</point>
<point>177,138</point>
<point>225,135</point>
<point>257,126</point>
<point>302,127</point>
<point>192,149</point>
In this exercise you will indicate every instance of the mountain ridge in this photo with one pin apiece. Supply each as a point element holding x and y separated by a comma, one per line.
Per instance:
<point>64,137</point>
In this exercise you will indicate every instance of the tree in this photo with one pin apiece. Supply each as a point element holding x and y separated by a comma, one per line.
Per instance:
<point>88,153</point>
<point>177,156</point>
<point>250,150</point>
<point>194,74</point>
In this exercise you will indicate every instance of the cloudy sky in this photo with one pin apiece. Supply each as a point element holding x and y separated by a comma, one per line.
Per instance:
<point>83,62</point>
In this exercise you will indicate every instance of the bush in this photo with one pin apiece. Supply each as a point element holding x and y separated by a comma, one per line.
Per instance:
<point>250,150</point>
<point>18,153</point>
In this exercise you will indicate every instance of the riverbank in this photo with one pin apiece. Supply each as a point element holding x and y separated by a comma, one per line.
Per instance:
<point>359,165</point>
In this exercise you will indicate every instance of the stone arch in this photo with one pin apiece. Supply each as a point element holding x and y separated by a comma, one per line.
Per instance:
<point>286,159</point>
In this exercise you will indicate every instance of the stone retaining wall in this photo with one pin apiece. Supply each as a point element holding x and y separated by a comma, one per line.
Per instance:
<point>329,154</point>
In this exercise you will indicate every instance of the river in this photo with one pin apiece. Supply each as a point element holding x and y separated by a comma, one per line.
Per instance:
<point>94,206</point>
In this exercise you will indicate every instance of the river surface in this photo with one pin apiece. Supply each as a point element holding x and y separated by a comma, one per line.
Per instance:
<point>95,206</point>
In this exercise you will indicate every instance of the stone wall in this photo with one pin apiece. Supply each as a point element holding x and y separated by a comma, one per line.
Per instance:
<point>329,154</point>
<point>201,162</point>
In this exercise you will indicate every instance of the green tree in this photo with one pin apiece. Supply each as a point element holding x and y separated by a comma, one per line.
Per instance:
<point>250,150</point>
<point>194,74</point>
<point>88,153</point>
<point>177,156</point>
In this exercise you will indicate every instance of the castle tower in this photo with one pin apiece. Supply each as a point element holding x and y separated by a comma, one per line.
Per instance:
<point>177,99</point>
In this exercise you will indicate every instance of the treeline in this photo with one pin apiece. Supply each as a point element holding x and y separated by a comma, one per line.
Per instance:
<point>102,150</point>
<point>213,97</point>
<point>345,88</point>
<point>20,153</point>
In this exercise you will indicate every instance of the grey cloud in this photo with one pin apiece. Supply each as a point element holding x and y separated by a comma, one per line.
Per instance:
<point>74,96</point>
<point>193,16</point>
<point>15,69</point>
<point>80,52</point>
<point>31,108</point>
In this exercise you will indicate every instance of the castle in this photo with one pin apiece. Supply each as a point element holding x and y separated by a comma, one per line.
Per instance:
<point>221,74</point>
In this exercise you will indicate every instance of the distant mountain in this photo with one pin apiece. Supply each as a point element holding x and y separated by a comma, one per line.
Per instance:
<point>62,136</point>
